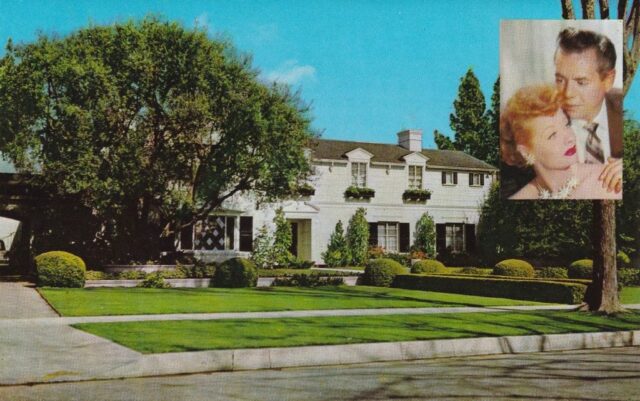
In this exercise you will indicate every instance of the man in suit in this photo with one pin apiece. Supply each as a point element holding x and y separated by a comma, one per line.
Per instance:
<point>585,72</point>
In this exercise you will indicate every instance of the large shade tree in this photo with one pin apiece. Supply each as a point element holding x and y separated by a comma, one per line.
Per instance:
<point>148,125</point>
<point>603,292</point>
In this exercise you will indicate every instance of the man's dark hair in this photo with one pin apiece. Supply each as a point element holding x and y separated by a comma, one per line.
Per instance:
<point>571,40</point>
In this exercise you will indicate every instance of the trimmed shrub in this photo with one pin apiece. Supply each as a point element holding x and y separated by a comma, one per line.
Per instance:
<point>60,269</point>
<point>197,270</point>
<point>629,277</point>
<point>307,280</point>
<point>428,266</point>
<point>96,275</point>
<point>581,268</point>
<point>132,275</point>
<point>154,280</point>
<point>381,272</point>
<point>297,263</point>
<point>475,271</point>
<point>552,272</point>
<point>525,289</point>
<point>235,273</point>
<point>402,258</point>
<point>513,268</point>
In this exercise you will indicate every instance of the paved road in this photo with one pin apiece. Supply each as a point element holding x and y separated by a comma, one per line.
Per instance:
<point>595,375</point>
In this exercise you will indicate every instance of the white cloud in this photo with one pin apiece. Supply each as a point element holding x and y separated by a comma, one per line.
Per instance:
<point>291,73</point>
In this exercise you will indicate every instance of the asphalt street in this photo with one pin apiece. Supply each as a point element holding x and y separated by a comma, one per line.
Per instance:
<point>588,375</point>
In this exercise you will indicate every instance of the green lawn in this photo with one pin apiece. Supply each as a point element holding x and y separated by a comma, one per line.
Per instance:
<point>630,295</point>
<point>177,336</point>
<point>135,301</point>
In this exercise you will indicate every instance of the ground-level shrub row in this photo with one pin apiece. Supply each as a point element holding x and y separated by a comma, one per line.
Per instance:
<point>534,290</point>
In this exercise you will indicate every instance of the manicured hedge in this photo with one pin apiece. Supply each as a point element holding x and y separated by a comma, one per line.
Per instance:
<point>236,273</point>
<point>380,272</point>
<point>552,272</point>
<point>60,269</point>
<point>514,268</point>
<point>582,268</point>
<point>531,290</point>
<point>428,266</point>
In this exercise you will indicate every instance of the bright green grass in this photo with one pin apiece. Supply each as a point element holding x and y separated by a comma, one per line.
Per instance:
<point>630,295</point>
<point>136,301</point>
<point>177,336</point>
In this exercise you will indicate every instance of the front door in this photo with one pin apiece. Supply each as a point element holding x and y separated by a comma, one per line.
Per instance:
<point>294,239</point>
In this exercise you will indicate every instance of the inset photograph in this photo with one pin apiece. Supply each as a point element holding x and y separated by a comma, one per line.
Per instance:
<point>561,115</point>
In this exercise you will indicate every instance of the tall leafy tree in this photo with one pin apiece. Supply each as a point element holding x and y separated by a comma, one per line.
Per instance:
<point>442,141</point>
<point>149,125</point>
<point>468,121</point>
<point>490,142</point>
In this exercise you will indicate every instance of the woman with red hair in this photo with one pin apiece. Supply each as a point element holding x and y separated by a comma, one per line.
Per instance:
<point>536,132</point>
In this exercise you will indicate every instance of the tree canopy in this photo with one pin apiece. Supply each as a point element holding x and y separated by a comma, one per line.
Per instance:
<point>148,124</point>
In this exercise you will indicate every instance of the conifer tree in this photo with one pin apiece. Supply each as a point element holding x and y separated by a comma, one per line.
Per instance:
<point>442,141</point>
<point>282,239</point>
<point>337,253</point>
<point>469,121</point>
<point>358,237</point>
<point>262,254</point>
<point>425,235</point>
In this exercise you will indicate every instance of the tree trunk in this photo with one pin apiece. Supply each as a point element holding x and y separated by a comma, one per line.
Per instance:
<point>602,294</point>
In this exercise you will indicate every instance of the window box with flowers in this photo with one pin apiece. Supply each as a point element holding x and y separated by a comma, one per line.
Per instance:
<point>305,190</point>
<point>416,195</point>
<point>354,192</point>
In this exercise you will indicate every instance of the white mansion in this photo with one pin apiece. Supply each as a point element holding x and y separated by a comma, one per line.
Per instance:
<point>388,180</point>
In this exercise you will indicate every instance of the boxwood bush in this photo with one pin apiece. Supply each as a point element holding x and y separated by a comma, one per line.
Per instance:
<point>513,268</point>
<point>552,272</point>
<point>60,269</point>
<point>428,266</point>
<point>581,268</point>
<point>514,288</point>
<point>235,273</point>
<point>629,277</point>
<point>381,272</point>
<point>307,280</point>
<point>154,280</point>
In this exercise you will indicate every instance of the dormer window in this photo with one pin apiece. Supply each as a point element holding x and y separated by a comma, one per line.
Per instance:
<point>415,177</point>
<point>359,174</point>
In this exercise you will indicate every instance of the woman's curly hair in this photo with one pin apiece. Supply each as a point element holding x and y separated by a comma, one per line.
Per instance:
<point>527,103</point>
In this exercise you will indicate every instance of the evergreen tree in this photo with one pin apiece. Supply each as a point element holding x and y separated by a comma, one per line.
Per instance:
<point>425,235</point>
<point>262,254</point>
<point>282,239</point>
<point>337,253</point>
<point>358,237</point>
<point>490,143</point>
<point>469,121</point>
<point>442,141</point>
<point>628,221</point>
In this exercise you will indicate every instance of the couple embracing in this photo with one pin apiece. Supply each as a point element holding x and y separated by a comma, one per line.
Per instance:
<point>569,132</point>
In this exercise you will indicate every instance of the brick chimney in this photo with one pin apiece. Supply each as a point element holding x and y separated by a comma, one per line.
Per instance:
<point>411,139</point>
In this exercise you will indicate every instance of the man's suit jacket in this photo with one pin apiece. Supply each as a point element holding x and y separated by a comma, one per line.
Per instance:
<point>614,115</point>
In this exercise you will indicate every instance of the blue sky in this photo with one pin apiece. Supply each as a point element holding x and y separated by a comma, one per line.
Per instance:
<point>368,68</point>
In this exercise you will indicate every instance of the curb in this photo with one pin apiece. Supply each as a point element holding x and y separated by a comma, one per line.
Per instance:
<point>293,357</point>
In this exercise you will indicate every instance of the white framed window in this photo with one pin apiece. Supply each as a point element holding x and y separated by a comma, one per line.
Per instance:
<point>476,179</point>
<point>449,178</point>
<point>215,233</point>
<point>454,237</point>
<point>359,174</point>
<point>415,177</point>
<point>388,236</point>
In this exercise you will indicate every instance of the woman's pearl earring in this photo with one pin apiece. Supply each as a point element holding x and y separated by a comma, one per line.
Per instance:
<point>529,158</point>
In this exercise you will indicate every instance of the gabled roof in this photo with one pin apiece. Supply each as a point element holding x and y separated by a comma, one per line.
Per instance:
<point>330,149</point>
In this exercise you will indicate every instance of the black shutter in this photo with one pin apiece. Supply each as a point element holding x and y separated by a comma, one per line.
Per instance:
<point>440,238</point>
<point>404,237</point>
<point>373,234</point>
<point>455,178</point>
<point>470,236</point>
<point>470,179</point>
<point>482,179</point>
<point>186,237</point>
<point>230,228</point>
<point>246,233</point>
<point>444,177</point>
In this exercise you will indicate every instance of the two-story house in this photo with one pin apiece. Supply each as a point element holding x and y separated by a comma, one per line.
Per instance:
<point>378,177</point>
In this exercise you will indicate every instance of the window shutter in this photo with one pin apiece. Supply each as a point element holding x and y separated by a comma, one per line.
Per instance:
<point>440,238</point>
<point>404,237</point>
<point>470,179</point>
<point>373,234</point>
<point>246,233</point>
<point>482,179</point>
<point>455,178</point>
<point>470,236</point>
<point>444,178</point>
<point>231,220</point>
<point>186,237</point>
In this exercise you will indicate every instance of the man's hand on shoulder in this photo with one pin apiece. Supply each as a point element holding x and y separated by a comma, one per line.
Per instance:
<point>611,175</point>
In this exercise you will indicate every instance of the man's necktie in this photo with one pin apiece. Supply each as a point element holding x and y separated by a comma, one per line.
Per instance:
<point>594,152</point>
